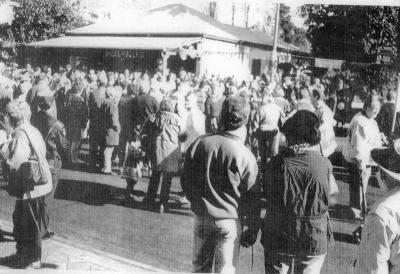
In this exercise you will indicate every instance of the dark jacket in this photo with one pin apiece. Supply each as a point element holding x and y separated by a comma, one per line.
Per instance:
<point>76,113</point>
<point>385,120</point>
<point>219,178</point>
<point>54,136</point>
<point>144,106</point>
<point>297,189</point>
<point>95,102</point>
<point>110,122</point>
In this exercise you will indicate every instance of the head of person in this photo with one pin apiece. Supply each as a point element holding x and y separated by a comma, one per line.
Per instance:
<point>25,83</point>
<point>371,106</point>
<point>391,96</point>
<point>46,104</point>
<point>168,104</point>
<point>302,128</point>
<point>28,67</point>
<point>183,76</point>
<point>102,79</point>
<point>17,113</point>
<point>388,161</point>
<point>79,83</point>
<point>235,113</point>
<point>317,95</point>
<point>267,99</point>
<point>304,93</point>
<point>68,67</point>
<point>144,87</point>
<point>112,93</point>
<point>111,78</point>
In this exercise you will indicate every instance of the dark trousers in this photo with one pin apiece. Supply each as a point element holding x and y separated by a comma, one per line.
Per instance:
<point>44,216</point>
<point>95,152</point>
<point>358,187</point>
<point>157,177</point>
<point>265,144</point>
<point>27,229</point>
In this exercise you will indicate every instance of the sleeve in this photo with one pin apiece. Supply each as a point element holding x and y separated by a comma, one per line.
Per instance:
<point>359,144</point>
<point>374,251</point>
<point>114,117</point>
<point>61,142</point>
<point>187,173</point>
<point>19,151</point>
<point>250,202</point>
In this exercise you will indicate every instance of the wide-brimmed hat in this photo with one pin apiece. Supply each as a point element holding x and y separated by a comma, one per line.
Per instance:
<point>388,159</point>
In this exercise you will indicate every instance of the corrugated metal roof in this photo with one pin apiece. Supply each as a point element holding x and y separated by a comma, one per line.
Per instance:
<point>116,42</point>
<point>172,21</point>
<point>178,19</point>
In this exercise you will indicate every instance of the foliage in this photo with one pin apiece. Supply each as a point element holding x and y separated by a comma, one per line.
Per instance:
<point>352,33</point>
<point>289,32</point>
<point>43,19</point>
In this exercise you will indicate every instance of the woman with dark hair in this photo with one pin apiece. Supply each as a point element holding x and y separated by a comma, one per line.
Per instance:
<point>298,188</point>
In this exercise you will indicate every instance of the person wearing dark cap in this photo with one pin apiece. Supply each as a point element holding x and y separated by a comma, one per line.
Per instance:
<point>379,250</point>
<point>219,178</point>
<point>54,135</point>
<point>298,190</point>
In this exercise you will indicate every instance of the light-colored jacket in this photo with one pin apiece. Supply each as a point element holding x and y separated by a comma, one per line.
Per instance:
<point>363,137</point>
<point>379,251</point>
<point>328,140</point>
<point>20,151</point>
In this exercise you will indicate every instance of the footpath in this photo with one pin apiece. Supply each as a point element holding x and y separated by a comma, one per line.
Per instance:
<point>61,255</point>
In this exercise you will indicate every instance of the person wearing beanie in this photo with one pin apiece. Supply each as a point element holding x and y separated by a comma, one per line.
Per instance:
<point>219,178</point>
<point>298,189</point>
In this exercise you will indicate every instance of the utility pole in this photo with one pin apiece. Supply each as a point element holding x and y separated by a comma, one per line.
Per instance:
<point>274,58</point>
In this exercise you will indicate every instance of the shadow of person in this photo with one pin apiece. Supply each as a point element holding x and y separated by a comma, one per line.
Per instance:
<point>17,262</point>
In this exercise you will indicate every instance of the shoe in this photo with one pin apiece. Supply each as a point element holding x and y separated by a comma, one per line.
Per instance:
<point>34,266</point>
<point>161,209</point>
<point>183,201</point>
<point>108,173</point>
<point>47,235</point>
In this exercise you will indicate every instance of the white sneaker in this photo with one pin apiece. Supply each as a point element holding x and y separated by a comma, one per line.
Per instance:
<point>183,201</point>
<point>34,265</point>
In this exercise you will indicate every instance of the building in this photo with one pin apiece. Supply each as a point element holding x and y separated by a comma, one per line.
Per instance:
<point>183,37</point>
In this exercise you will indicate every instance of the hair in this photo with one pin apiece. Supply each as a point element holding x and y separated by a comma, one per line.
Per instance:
<point>391,95</point>
<point>168,104</point>
<point>235,113</point>
<point>302,128</point>
<point>318,92</point>
<point>19,112</point>
<point>369,101</point>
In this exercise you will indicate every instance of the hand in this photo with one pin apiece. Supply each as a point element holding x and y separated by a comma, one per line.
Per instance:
<point>248,238</point>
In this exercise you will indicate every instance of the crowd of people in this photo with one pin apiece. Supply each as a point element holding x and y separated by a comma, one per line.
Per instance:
<point>232,144</point>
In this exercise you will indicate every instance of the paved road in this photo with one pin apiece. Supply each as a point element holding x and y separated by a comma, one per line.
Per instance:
<point>89,209</point>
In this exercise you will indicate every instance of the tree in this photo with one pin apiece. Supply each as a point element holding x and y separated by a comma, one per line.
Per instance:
<point>43,19</point>
<point>289,32</point>
<point>352,33</point>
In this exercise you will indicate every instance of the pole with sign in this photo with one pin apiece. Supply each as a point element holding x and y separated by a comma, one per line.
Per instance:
<point>274,56</point>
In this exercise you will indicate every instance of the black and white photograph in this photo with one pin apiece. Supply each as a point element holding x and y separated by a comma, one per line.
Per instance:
<point>200,136</point>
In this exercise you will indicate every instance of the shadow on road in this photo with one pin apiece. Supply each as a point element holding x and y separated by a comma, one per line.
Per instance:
<point>96,194</point>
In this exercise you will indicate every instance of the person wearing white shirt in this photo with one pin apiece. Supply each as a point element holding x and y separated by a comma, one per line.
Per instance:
<point>379,250</point>
<point>325,115</point>
<point>268,117</point>
<point>363,136</point>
